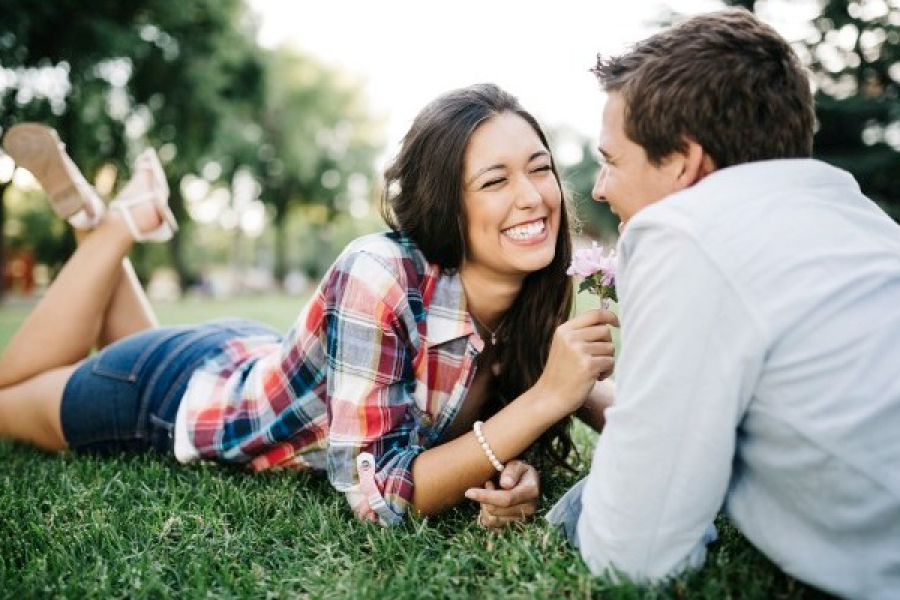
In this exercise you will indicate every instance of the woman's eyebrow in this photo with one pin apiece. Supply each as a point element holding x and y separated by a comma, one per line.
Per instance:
<point>479,173</point>
<point>483,171</point>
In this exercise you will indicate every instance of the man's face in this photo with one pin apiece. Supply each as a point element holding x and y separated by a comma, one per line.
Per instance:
<point>627,180</point>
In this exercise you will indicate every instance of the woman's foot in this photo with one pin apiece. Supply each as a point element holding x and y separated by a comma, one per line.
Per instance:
<point>144,201</point>
<point>38,149</point>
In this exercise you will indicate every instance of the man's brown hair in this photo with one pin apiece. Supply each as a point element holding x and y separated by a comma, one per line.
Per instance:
<point>725,80</point>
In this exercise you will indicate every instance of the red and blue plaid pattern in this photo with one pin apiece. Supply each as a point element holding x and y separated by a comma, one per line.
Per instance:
<point>378,362</point>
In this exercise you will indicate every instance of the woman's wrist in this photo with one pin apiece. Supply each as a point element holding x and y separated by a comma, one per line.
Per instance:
<point>547,404</point>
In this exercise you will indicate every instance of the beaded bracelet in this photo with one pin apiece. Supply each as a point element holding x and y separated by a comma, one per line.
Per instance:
<point>487,449</point>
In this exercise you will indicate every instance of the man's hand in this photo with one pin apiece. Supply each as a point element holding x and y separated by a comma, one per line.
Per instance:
<point>515,501</point>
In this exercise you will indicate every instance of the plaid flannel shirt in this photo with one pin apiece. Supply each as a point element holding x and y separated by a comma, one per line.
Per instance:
<point>372,372</point>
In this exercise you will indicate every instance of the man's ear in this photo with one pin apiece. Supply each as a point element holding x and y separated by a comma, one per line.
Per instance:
<point>695,164</point>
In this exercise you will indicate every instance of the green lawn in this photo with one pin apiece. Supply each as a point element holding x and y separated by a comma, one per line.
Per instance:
<point>143,527</point>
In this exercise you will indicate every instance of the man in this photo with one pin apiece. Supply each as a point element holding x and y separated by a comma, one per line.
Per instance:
<point>760,309</point>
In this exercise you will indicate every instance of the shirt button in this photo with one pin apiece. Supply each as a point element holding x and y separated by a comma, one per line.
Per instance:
<point>365,461</point>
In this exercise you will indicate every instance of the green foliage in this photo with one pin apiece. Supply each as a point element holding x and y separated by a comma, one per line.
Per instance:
<point>188,79</point>
<point>319,143</point>
<point>853,52</point>
<point>164,69</point>
<point>146,527</point>
<point>855,56</point>
<point>32,225</point>
<point>591,285</point>
<point>594,219</point>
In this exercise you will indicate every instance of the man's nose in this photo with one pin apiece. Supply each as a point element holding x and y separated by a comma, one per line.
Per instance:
<point>598,192</point>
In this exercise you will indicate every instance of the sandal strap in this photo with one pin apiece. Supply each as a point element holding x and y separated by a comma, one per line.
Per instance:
<point>123,208</point>
<point>156,194</point>
<point>124,205</point>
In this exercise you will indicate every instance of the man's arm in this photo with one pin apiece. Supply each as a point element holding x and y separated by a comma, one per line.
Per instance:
<point>690,357</point>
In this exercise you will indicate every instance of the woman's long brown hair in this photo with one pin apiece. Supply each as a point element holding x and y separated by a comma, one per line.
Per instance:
<point>423,199</point>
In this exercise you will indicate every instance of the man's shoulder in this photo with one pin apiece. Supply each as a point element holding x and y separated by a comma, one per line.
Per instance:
<point>743,199</point>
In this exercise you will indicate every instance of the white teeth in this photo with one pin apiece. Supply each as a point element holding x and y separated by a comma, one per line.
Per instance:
<point>526,231</point>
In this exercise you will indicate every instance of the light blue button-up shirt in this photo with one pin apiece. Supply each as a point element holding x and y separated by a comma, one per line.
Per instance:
<point>760,368</point>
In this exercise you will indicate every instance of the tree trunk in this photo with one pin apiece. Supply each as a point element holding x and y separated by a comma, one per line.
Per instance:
<point>280,225</point>
<point>186,279</point>
<point>176,254</point>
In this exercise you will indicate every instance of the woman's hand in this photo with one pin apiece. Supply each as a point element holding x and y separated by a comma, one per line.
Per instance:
<point>515,501</point>
<point>582,352</point>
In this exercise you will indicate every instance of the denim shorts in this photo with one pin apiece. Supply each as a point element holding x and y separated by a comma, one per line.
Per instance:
<point>126,396</point>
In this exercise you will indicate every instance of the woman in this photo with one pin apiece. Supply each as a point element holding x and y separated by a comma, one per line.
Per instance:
<point>412,340</point>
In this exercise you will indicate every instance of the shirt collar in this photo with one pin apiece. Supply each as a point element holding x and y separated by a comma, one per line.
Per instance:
<point>446,316</point>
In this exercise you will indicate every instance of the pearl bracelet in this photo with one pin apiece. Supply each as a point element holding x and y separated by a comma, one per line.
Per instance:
<point>487,449</point>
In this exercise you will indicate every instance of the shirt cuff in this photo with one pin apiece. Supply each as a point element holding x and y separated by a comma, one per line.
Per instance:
<point>365,499</point>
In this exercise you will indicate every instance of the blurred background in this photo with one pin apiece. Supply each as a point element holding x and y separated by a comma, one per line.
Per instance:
<point>274,118</point>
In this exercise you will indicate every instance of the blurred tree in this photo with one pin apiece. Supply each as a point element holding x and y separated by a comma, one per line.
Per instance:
<point>319,142</point>
<point>597,221</point>
<point>855,56</point>
<point>35,228</point>
<point>198,72</point>
<point>112,77</point>
<point>188,79</point>
<point>853,51</point>
<point>49,53</point>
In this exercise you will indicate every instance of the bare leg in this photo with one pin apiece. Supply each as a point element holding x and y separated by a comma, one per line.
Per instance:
<point>66,323</point>
<point>38,148</point>
<point>129,310</point>
<point>29,411</point>
<point>95,298</point>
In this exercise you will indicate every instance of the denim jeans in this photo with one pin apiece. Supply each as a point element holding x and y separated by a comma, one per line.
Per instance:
<point>126,396</point>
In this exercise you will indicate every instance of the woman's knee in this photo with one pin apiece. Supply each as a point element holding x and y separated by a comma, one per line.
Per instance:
<point>29,411</point>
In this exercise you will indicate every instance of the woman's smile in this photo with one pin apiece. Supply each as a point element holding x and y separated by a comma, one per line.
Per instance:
<point>532,232</point>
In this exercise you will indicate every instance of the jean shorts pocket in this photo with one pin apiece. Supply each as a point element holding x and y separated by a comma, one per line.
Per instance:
<point>124,360</point>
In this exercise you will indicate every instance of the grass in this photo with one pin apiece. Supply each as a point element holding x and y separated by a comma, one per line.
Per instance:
<point>145,527</point>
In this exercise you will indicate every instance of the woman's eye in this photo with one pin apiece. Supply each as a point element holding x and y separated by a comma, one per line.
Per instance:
<point>542,168</point>
<point>492,182</point>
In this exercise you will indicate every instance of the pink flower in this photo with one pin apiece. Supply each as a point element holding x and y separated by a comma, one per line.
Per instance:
<point>597,268</point>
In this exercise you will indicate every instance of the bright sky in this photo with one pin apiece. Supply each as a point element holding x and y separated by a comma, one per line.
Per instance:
<point>409,51</point>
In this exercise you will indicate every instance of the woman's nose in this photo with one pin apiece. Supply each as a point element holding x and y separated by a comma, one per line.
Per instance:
<point>528,193</point>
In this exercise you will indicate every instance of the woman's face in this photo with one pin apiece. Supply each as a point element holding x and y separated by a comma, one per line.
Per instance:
<point>512,198</point>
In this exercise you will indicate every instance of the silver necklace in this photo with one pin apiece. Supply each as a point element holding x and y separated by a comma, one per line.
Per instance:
<point>493,333</point>
<point>482,325</point>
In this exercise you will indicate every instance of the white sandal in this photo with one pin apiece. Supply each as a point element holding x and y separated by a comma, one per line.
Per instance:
<point>38,149</point>
<point>148,183</point>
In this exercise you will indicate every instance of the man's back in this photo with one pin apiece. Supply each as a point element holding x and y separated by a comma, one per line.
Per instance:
<point>807,345</point>
<point>816,482</point>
